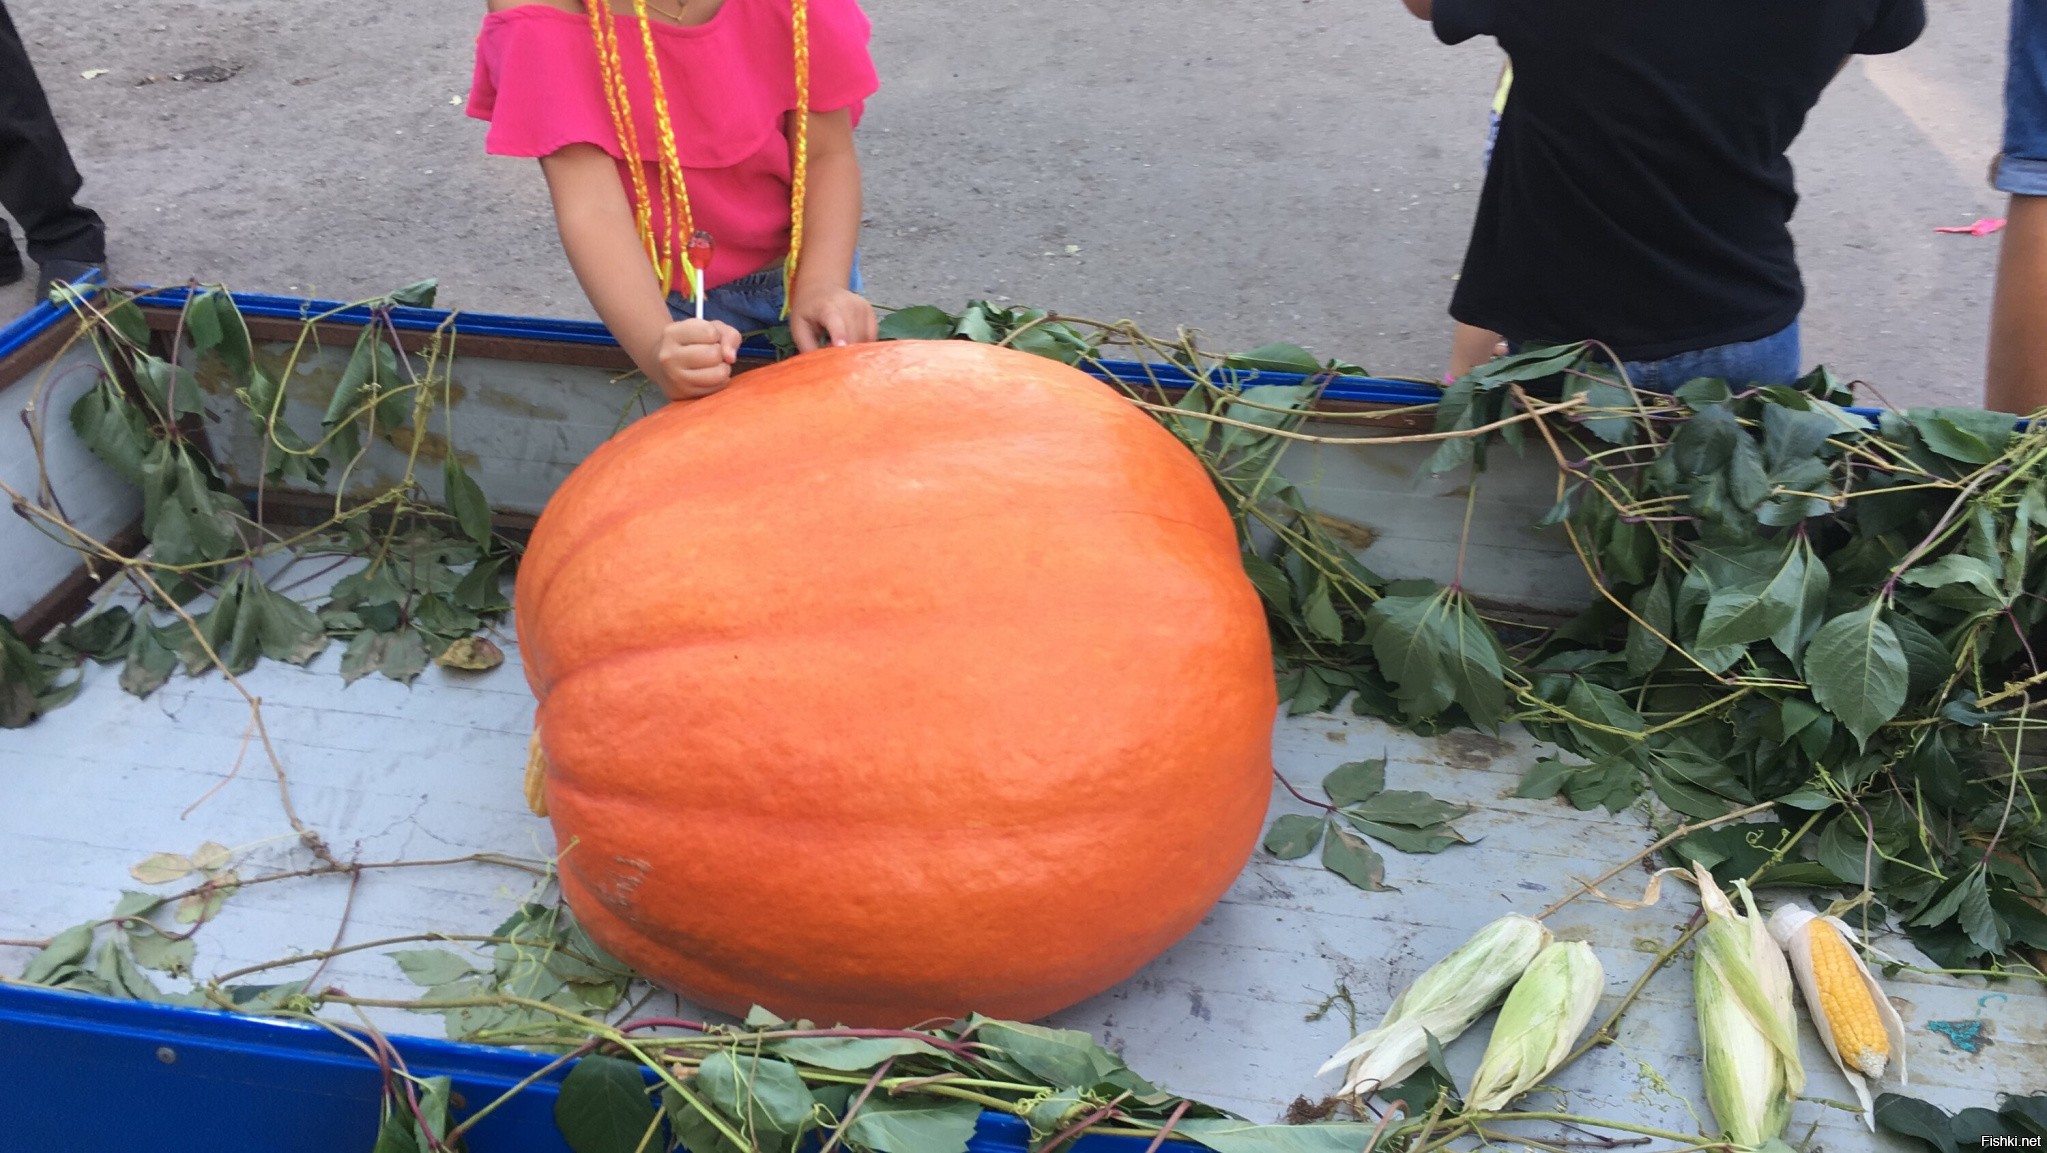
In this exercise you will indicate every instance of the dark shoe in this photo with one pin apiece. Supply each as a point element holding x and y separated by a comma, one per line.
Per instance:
<point>11,270</point>
<point>55,272</point>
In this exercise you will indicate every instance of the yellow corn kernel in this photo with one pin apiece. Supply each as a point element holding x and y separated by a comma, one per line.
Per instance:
<point>1846,1008</point>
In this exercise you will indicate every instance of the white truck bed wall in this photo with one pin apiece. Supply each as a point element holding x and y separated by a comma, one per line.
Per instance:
<point>520,426</point>
<point>38,385</point>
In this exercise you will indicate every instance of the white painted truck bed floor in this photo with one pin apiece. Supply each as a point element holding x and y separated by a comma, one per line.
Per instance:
<point>389,772</point>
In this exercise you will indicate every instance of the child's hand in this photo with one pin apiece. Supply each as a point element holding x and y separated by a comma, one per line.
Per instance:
<point>831,317</point>
<point>696,357</point>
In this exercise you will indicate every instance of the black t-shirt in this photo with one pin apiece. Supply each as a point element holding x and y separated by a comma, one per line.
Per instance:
<point>1639,193</point>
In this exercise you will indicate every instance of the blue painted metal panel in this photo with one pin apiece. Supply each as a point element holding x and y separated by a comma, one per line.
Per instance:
<point>34,323</point>
<point>88,1073</point>
<point>1356,389</point>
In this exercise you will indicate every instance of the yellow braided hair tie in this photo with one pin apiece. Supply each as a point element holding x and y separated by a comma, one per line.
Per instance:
<point>799,18</point>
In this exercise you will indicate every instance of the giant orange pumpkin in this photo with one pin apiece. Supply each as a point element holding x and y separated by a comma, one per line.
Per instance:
<point>893,682</point>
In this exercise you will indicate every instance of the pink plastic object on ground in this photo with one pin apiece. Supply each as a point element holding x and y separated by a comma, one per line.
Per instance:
<point>1983,227</point>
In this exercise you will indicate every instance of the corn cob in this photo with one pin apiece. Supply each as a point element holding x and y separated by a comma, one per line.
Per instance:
<point>1549,1007</point>
<point>1855,1020</point>
<point>1443,1001</point>
<point>1747,1027</point>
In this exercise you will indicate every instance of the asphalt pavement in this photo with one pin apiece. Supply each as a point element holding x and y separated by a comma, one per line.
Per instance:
<point>1261,170</point>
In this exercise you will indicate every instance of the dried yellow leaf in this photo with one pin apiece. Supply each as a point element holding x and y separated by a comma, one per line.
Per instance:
<point>476,654</point>
<point>161,868</point>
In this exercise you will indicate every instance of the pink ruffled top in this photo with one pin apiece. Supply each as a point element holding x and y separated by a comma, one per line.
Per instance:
<point>731,82</point>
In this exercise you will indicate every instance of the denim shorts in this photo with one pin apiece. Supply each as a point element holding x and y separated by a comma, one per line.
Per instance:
<point>751,304</point>
<point>2022,168</point>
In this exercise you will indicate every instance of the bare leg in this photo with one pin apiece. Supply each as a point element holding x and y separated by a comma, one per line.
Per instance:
<point>2016,380</point>
<point>1471,347</point>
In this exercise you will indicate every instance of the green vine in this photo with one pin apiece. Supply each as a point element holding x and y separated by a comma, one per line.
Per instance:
<point>1811,658</point>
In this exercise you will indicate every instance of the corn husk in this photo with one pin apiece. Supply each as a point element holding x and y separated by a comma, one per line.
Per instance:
<point>1443,1001</point>
<point>1747,1027</point>
<point>1550,1005</point>
<point>1788,924</point>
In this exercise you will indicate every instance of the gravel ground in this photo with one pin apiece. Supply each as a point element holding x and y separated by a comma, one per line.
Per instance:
<point>1304,170</point>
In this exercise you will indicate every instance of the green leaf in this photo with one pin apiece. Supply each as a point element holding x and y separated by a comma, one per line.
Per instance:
<point>171,392</point>
<point>66,949</point>
<point>603,1106</point>
<point>1475,664</point>
<point>1229,1135</point>
<point>465,500</point>
<point>397,1132</point>
<point>922,322</point>
<point>1703,393</point>
<point>1416,810</point>
<point>1320,614</point>
<point>152,655</point>
<point>123,976</point>
<point>1978,919</point>
<point>433,966</point>
<point>186,518</point>
<point>373,368</point>
<point>1057,1056</point>
<point>114,429</point>
<point>849,1054</point>
<point>1928,662</point>
<point>1693,788</point>
<point>1645,649</point>
<point>1705,443</point>
<point>418,294</point>
<point>1809,602</point>
<point>1603,706</point>
<point>1531,364</point>
<point>154,949</point>
<point>1745,614</point>
<point>1276,358</point>
<point>1857,670</point>
<point>1545,779</point>
<point>1356,781</point>
<point>127,320</point>
<point>399,655</point>
<point>23,679</point>
<point>1956,568</point>
<point>479,591</point>
<point>1426,839</point>
<point>1402,631</point>
<point>1911,1117</point>
<point>1270,580</point>
<point>914,1124</point>
<point>285,629</point>
<point>214,323</point>
<point>1347,854</point>
<point>1969,435</point>
<point>103,636</point>
<point>1602,394</point>
<point>1845,851</point>
<point>1294,836</point>
<point>2027,1114</point>
<point>763,1094</point>
<point>1791,436</point>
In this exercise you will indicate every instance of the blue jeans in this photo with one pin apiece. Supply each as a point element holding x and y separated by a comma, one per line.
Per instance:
<point>1772,360</point>
<point>751,304</point>
<point>2022,168</point>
